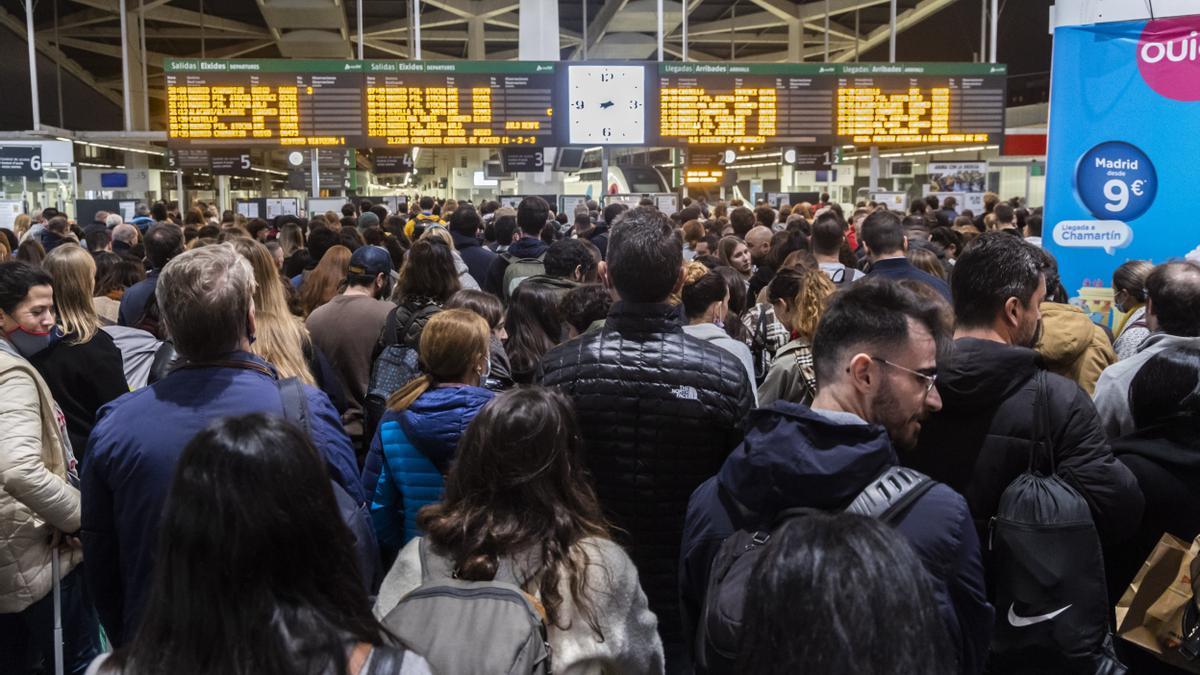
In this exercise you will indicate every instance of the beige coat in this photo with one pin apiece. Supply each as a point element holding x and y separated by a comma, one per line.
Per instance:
<point>1072,346</point>
<point>35,497</point>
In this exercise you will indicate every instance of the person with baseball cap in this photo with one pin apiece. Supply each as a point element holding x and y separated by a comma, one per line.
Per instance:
<point>346,328</point>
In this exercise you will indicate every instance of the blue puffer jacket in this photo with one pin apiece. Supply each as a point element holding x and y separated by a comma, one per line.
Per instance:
<point>409,455</point>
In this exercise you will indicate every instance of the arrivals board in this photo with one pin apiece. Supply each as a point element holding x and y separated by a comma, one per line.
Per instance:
<point>459,103</point>
<point>732,104</point>
<point>263,103</point>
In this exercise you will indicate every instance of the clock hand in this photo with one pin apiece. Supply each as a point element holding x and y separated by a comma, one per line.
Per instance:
<point>606,104</point>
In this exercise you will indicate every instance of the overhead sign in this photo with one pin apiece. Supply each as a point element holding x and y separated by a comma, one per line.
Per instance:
<point>226,163</point>
<point>21,161</point>
<point>393,162</point>
<point>808,159</point>
<point>516,160</point>
<point>1117,186</point>
<point>798,103</point>
<point>188,158</point>
<point>280,102</point>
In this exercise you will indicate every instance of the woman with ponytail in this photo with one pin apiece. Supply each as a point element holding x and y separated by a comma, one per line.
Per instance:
<point>798,294</point>
<point>419,433</point>
<point>706,298</point>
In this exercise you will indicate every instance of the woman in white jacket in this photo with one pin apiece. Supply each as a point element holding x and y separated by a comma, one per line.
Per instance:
<point>39,500</point>
<point>518,495</point>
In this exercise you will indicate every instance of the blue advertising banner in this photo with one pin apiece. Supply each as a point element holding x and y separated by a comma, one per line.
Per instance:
<point>1123,140</point>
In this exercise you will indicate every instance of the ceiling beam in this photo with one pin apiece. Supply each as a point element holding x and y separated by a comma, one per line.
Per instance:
<point>87,17</point>
<point>466,10</point>
<point>17,26</point>
<point>487,9</point>
<point>816,10</point>
<point>599,26</point>
<point>756,21</point>
<point>428,20</point>
<point>905,20</point>
<point>152,58</point>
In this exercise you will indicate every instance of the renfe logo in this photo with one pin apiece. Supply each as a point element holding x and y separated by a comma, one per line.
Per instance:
<point>1169,57</point>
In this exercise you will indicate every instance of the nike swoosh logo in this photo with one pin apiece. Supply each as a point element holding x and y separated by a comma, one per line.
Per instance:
<point>1022,621</point>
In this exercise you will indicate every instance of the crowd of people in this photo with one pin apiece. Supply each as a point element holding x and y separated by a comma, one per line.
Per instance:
<point>362,442</point>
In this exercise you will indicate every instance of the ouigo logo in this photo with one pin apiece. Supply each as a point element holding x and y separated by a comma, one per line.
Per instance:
<point>1168,57</point>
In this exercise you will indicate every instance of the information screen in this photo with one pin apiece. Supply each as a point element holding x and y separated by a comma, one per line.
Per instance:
<point>271,102</point>
<point>727,104</point>
<point>469,103</point>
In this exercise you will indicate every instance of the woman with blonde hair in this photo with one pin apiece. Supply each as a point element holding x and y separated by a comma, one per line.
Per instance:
<point>798,295</point>
<point>281,338</point>
<point>21,225</point>
<point>418,434</point>
<point>80,363</point>
<point>320,285</point>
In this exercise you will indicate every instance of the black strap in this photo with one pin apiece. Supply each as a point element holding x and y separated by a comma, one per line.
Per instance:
<point>412,318</point>
<point>389,328</point>
<point>1040,438</point>
<point>295,404</point>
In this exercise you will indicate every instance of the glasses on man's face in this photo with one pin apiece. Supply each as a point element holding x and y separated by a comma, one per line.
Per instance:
<point>929,380</point>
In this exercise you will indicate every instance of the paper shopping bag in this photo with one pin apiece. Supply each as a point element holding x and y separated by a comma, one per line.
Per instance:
<point>1150,613</point>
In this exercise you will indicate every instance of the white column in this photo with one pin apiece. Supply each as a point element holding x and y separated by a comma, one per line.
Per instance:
<point>125,99</point>
<point>658,14</point>
<point>359,8</point>
<point>995,23</point>
<point>538,33</point>
<point>414,20</point>
<point>476,47</point>
<point>795,41</point>
<point>34,99</point>
<point>874,180</point>
<point>892,35</point>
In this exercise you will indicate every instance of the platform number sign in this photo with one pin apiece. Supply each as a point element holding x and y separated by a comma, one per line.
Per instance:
<point>21,162</point>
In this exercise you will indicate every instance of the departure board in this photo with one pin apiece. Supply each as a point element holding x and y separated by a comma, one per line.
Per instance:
<point>459,104</point>
<point>731,104</point>
<point>271,102</point>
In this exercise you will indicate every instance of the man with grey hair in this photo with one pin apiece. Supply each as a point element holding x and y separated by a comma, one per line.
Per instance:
<point>112,220</point>
<point>206,303</point>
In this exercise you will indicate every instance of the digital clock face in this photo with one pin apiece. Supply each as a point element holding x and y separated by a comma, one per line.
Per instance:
<point>606,104</point>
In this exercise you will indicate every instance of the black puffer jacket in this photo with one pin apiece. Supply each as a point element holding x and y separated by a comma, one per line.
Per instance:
<point>659,410</point>
<point>979,442</point>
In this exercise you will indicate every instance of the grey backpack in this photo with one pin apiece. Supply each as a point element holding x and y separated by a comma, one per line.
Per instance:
<point>478,627</point>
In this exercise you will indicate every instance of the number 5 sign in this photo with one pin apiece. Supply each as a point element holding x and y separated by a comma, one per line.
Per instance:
<point>21,161</point>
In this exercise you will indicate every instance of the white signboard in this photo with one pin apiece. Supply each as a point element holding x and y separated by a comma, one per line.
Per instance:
<point>287,206</point>
<point>248,209</point>
<point>9,210</point>
<point>958,176</point>
<point>894,200</point>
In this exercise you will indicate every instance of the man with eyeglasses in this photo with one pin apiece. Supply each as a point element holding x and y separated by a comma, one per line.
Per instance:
<point>980,440</point>
<point>875,355</point>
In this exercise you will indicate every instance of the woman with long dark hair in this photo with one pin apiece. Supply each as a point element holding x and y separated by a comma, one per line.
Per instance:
<point>519,493</point>
<point>255,571</point>
<point>534,326</point>
<point>427,280</point>
<point>841,595</point>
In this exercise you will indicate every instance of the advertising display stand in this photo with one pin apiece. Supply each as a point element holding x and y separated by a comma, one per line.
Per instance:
<point>1119,187</point>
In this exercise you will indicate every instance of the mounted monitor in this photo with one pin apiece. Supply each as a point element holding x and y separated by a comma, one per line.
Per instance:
<point>568,159</point>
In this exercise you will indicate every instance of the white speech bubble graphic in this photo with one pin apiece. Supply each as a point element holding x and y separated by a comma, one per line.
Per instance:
<point>1106,234</point>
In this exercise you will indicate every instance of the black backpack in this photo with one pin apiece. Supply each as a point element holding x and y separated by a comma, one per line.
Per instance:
<point>397,363</point>
<point>1047,572</point>
<point>720,625</point>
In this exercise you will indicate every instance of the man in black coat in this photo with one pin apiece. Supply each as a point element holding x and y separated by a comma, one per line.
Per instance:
<point>874,354</point>
<point>980,441</point>
<point>659,409</point>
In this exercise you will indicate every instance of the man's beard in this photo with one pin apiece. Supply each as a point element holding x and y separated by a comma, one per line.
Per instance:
<point>887,411</point>
<point>1034,336</point>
